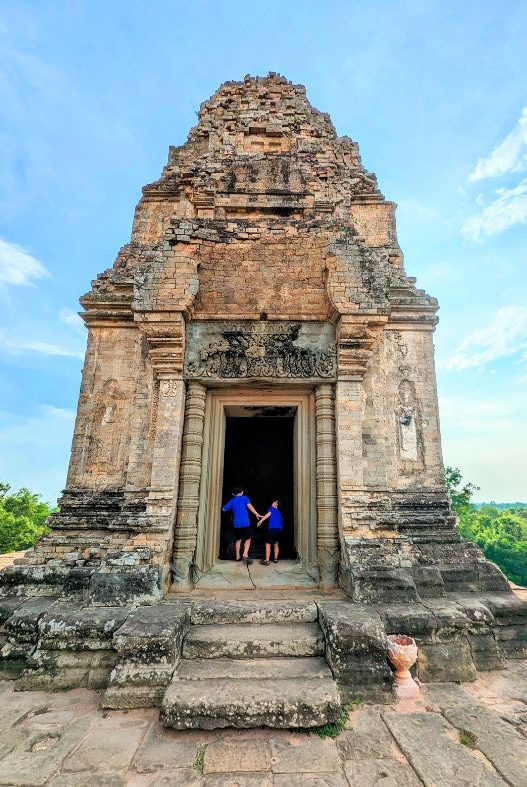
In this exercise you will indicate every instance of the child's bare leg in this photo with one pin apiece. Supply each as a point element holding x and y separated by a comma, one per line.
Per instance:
<point>238,545</point>
<point>276,547</point>
<point>246,548</point>
<point>268,552</point>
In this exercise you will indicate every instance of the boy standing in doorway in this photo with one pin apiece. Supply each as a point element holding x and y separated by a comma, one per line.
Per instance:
<point>239,504</point>
<point>274,532</point>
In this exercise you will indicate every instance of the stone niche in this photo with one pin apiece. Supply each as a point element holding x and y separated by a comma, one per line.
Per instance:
<point>280,351</point>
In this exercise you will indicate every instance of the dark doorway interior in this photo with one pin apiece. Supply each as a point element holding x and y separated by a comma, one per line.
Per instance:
<point>259,456</point>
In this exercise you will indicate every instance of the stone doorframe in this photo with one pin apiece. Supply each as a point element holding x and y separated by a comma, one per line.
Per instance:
<point>316,520</point>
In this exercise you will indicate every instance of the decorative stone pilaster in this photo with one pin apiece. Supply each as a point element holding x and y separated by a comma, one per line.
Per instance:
<point>357,336</point>
<point>186,531</point>
<point>167,448</point>
<point>164,333</point>
<point>326,481</point>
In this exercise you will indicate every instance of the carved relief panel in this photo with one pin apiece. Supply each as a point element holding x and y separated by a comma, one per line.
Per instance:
<point>407,410</point>
<point>260,350</point>
<point>106,431</point>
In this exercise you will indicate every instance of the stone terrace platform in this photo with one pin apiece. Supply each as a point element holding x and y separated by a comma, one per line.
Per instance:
<point>452,736</point>
<point>278,657</point>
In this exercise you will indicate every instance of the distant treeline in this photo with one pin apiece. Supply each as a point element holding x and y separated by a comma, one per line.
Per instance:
<point>502,506</point>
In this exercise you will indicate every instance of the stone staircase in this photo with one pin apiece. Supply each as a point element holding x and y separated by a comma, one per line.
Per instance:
<point>252,664</point>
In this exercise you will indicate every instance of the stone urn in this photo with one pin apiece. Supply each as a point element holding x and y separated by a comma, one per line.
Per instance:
<point>402,652</point>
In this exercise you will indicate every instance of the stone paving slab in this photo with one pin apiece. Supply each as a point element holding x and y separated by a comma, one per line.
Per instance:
<point>36,755</point>
<point>337,779</point>
<point>239,780</point>
<point>110,745</point>
<point>233,575</point>
<point>304,754</point>
<point>387,773</point>
<point>164,750</point>
<point>499,741</point>
<point>180,777</point>
<point>97,779</point>
<point>369,737</point>
<point>226,575</point>
<point>430,745</point>
<point>285,573</point>
<point>65,740</point>
<point>242,756</point>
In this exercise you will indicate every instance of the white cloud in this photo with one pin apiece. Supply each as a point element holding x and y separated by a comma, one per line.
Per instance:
<point>510,155</point>
<point>508,209</point>
<point>72,320</point>
<point>18,346</point>
<point>506,335</point>
<point>17,266</point>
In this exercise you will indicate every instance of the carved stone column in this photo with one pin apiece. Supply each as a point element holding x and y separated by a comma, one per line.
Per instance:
<point>186,532</point>
<point>326,481</point>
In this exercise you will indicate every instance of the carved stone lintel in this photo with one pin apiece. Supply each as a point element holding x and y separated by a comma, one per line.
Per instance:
<point>261,350</point>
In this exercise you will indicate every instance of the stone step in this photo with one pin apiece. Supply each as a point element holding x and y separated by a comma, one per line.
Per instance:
<point>253,641</point>
<point>263,669</point>
<point>212,703</point>
<point>210,612</point>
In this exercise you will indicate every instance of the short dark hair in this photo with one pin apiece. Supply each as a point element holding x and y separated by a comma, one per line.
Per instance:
<point>237,490</point>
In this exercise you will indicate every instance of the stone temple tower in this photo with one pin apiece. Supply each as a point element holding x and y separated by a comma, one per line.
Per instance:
<point>263,271</point>
<point>258,329</point>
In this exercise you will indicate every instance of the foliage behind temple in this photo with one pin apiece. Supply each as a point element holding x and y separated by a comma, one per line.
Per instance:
<point>502,534</point>
<point>23,517</point>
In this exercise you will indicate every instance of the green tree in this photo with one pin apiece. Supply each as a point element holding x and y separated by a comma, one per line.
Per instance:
<point>23,518</point>
<point>502,534</point>
<point>460,493</point>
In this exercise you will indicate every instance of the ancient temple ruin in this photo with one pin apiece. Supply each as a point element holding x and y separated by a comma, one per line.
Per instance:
<point>262,300</point>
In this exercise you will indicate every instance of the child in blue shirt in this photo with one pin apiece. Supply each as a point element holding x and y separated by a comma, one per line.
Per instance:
<point>274,532</point>
<point>239,504</point>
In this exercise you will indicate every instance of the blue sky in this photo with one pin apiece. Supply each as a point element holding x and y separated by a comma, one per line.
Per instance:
<point>92,94</point>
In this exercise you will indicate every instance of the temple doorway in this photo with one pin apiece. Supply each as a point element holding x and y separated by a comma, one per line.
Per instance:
<point>259,456</point>
<point>264,439</point>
